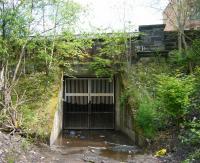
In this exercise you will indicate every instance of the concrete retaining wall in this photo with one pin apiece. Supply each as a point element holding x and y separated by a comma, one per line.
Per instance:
<point>58,119</point>
<point>124,117</point>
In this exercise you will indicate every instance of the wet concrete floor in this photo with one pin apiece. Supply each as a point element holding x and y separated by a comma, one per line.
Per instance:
<point>99,147</point>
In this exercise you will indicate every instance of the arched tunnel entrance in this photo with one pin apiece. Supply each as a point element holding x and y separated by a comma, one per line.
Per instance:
<point>88,103</point>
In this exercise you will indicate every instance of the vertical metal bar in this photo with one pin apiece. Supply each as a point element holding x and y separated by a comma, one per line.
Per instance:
<point>95,102</point>
<point>97,98</point>
<point>70,103</point>
<point>89,102</point>
<point>109,87</point>
<point>82,89</point>
<point>113,91</point>
<point>78,91</point>
<point>89,90</point>
<point>70,86</point>
<point>100,98</point>
<point>113,106</point>
<point>75,86</point>
<point>92,86</point>
<point>85,86</point>
<point>103,98</point>
<point>64,90</point>
<point>78,86</point>
<point>98,85</point>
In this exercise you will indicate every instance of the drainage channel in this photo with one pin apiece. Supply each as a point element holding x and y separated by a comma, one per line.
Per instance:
<point>97,146</point>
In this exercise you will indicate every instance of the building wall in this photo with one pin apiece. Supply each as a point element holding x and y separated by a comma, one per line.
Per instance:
<point>169,18</point>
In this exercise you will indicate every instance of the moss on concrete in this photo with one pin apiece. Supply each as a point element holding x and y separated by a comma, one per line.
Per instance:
<point>42,98</point>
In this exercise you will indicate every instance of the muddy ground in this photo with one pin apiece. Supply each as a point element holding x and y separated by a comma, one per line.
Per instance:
<point>75,147</point>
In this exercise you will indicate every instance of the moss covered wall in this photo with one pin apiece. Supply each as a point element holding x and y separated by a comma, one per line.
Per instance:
<point>41,92</point>
<point>124,114</point>
<point>57,117</point>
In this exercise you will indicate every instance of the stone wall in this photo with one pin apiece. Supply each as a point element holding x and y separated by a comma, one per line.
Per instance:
<point>152,37</point>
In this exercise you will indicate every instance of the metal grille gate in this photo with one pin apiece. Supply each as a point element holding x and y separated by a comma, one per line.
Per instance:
<point>88,103</point>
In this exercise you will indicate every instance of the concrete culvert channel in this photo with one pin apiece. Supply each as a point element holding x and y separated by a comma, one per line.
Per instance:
<point>87,124</point>
<point>96,146</point>
<point>102,146</point>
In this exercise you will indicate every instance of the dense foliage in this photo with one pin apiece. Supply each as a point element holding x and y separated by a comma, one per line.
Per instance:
<point>112,52</point>
<point>174,93</point>
<point>162,95</point>
<point>32,57</point>
<point>164,100</point>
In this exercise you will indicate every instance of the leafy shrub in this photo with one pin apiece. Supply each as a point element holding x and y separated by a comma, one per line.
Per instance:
<point>177,58</point>
<point>194,108</point>
<point>139,92</point>
<point>146,118</point>
<point>174,94</point>
<point>193,52</point>
<point>130,95</point>
<point>185,57</point>
<point>192,134</point>
<point>102,67</point>
<point>194,157</point>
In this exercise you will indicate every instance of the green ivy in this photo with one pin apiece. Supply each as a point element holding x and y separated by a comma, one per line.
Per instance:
<point>102,67</point>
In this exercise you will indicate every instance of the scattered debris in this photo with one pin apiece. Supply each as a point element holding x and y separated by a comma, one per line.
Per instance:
<point>82,137</point>
<point>97,148</point>
<point>102,136</point>
<point>72,133</point>
<point>16,149</point>
<point>161,153</point>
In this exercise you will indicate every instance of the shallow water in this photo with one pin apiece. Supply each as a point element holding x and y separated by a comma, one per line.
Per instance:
<point>98,145</point>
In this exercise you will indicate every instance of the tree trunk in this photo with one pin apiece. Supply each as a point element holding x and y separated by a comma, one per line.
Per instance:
<point>190,66</point>
<point>19,63</point>
<point>54,35</point>
<point>180,42</point>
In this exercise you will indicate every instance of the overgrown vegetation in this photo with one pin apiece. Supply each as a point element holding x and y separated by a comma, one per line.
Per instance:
<point>112,52</point>
<point>173,93</point>
<point>32,59</point>
<point>162,95</point>
<point>165,100</point>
